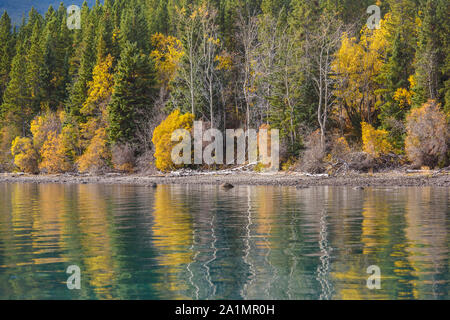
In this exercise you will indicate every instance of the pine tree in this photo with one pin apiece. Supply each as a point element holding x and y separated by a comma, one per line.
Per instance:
<point>35,66</point>
<point>160,18</point>
<point>134,27</point>
<point>133,93</point>
<point>6,52</point>
<point>55,45</point>
<point>79,89</point>
<point>16,109</point>
<point>105,42</point>
<point>431,53</point>
<point>442,11</point>
<point>398,69</point>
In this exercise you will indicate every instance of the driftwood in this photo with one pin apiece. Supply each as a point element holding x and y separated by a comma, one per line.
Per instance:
<point>188,172</point>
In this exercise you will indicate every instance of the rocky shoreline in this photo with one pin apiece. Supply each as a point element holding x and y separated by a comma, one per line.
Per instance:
<point>391,178</point>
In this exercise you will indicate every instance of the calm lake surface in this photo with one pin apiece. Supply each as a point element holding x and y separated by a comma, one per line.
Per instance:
<point>202,242</point>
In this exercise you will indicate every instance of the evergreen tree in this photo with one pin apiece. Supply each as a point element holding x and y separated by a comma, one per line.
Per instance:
<point>160,18</point>
<point>6,52</point>
<point>79,89</point>
<point>133,93</point>
<point>397,71</point>
<point>16,108</point>
<point>55,45</point>
<point>105,41</point>
<point>134,27</point>
<point>431,53</point>
<point>35,67</point>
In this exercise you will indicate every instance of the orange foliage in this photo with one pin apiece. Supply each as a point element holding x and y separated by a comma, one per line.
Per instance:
<point>53,153</point>
<point>97,154</point>
<point>25,156</point>
<point>427,134</point>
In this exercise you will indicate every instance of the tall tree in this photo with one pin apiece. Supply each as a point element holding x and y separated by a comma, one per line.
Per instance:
<point>16,108</point>
<point>133,93</point>
<point>79,88</point>
<point>432,52</point>
<point>320,47</point>
<point>6,51</point>
<point>35,67</point>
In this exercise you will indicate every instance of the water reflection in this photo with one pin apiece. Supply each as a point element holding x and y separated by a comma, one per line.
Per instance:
<point>200,242</point>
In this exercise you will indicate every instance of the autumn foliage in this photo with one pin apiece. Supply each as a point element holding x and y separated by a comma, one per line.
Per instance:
<point>167,55</point>
<point>97,155</point>
<point>375,141</point>
<point>53,153</point>
<point>25,156</point>
<point>162,138</point>
<point>427,135</point>
<point>91,100</point>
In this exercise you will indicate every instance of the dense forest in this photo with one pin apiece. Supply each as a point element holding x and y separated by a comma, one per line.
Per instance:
<point>343,96</point>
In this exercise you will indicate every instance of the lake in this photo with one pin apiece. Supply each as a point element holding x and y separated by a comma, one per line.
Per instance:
<point>203,242</point>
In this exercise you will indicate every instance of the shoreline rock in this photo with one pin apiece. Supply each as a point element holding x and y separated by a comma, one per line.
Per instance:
<point>298,180</point>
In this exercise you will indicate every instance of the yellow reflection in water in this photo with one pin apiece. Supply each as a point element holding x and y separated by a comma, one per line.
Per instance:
<point>173,233</point>
<point>425,241</point>
<point>95,240</point>
<point>375,225</point>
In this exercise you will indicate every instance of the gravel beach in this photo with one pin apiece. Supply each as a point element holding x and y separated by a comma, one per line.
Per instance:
<point>391,178</point>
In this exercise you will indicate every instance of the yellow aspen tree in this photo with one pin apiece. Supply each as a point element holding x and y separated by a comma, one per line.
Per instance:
<point>54,155</point>
<point>162,138</point>
<point>25,156</point>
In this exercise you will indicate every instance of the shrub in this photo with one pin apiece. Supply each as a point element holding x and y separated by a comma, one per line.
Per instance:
<point>162,138</point>
<point>25,156</point>
<point>70,137</point>
<point>259,167</point>
<point>42,125</point>
<point>375,141</point>
<point>123,157</point>
<point>312,160</point>
<point>427,135</point>
<point>340,147</point>
<point>54,155</point>
<point>7,135</point>
<point>289,164</point>
<point>97,155</point>
<point>145,163</point>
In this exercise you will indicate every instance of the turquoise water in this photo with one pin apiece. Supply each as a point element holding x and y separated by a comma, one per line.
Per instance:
<point>202,242</point>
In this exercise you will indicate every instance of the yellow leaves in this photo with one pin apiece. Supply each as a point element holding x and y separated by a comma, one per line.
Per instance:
<point>403,97</point>
<point>375,141</point>
<point>167,56</point>
<point>42,125</point>
<point>56,150</point>
<point>213,41</point>
<point>412,81</point>
<point>25,156</point>
<point>53,153</point>
<point>100,89</point>
<point>162,138</point>
<point>224,62</point>
<point>375,39</point>
<point>348,66</point>
<point>97,153</point>
<point>357,65</point>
